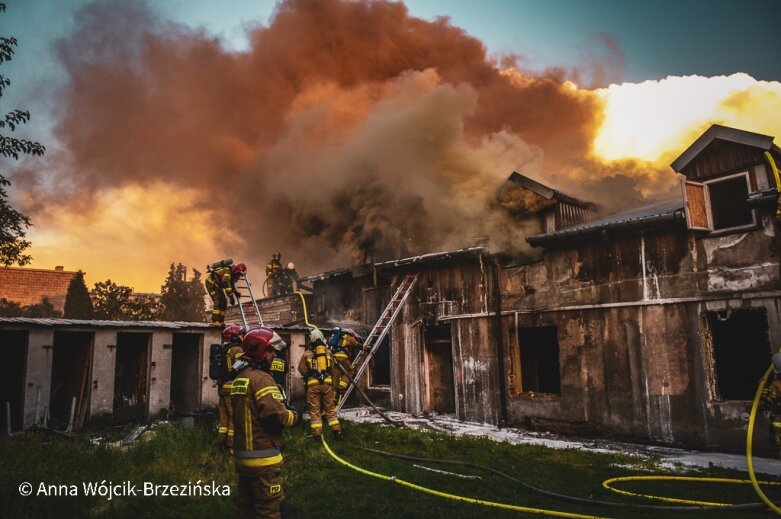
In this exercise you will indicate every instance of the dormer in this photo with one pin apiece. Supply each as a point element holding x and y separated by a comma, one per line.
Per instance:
<point>728,173</point>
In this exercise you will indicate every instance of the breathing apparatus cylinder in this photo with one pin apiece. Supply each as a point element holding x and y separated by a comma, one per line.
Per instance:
<point>221,263</point>
<point>320,358</point>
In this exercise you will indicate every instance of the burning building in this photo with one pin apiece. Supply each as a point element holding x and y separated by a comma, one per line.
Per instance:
<point>654,323</point>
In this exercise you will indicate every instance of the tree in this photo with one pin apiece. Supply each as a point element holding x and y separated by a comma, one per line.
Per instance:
<point>118,303</point>
<point>78,304</point>
<point>12,222</point>
<point>14,309</point>
<point>180,299</point>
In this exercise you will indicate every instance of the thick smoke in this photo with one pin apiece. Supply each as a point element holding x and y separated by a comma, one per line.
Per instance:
<point>346,123</point>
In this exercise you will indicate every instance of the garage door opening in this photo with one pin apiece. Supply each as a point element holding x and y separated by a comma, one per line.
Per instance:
<point>70,378</point>
<point>741,351</point>
<point>186,373</point>
<point>12,374</point>
<point>438,358</point>
<point>131,377</point>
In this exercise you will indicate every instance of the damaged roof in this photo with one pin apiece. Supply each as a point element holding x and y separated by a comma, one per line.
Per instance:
<point>653,214</point>
<point>724,133</point>
<point>61,323</point>
<point>425,258</point>
<point>545,191</point>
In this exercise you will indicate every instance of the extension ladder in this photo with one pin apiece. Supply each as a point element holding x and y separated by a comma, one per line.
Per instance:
<point>240,288</point>
<point>380,330</point>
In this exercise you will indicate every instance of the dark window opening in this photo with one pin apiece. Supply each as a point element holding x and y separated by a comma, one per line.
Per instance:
<point>12,376</point>
<point>185,373</point>
<point>741,351</point>
<point>70,378</point>
<point>539,358</point>
<point>728,200</point>
<point>440,388</point>
<point>131,377</point>
<point>380,364</point>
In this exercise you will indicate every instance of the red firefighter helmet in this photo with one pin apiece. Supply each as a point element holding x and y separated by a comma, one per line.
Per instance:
<point>258,341</point>
<point>276,256</point>
<point>233,333</point>
<point>239,269</point>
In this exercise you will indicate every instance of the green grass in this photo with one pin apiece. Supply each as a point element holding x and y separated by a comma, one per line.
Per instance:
<point>318,486</point>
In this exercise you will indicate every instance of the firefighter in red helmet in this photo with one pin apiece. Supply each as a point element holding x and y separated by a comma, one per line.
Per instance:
<point>260,414</point>
<point>232,337</point>
<point>221,285</point>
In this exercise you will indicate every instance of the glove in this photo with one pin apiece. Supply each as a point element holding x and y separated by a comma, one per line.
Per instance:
<point>238,294</point>
<point>231,299</point>
<point>296,412</point>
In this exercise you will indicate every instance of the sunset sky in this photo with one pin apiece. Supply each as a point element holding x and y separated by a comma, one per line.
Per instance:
<point>192,130</point>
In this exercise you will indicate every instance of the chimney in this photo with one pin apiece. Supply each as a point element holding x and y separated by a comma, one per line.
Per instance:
<point>59,268</point>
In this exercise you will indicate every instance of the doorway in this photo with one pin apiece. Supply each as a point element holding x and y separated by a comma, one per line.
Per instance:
<point>12,376</point>
<point>438,363</point>
<point>185,373</point>
<point>71,362</point>
<point>131,377</point>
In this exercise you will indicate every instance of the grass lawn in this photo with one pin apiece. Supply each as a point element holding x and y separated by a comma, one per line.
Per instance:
<point>318,486</point>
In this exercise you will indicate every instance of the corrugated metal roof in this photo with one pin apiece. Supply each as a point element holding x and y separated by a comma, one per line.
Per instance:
<point>434,256</point>
<point>668,210</point>
<point>63,323</point>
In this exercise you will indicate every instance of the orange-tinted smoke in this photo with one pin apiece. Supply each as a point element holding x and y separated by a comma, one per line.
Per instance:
<point>345,120</point>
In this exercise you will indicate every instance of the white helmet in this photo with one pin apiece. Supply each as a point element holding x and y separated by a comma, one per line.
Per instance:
<point>316,336</point>
<point>291,266</point>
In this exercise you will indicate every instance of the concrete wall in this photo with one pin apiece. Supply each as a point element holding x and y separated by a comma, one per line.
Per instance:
<point>39,369</point>
<point>103,367</point>
<point>101,388</point>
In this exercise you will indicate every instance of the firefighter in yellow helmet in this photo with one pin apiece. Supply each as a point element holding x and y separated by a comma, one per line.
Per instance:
<point>770,402</point>
<point>339,344</point>
<point>232,337</point>
<point>260,414</point>
<point>315,366</point>
<point>221,285</point>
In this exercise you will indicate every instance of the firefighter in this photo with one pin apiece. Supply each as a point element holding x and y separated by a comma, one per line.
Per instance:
<point>221,285</point>
<point>338,344</point>
<point>274,274</point>
<point>315,366</point>
<point>232,337</point>
<point>260,414</point>
<point>770,402</point>
<point>278,370</point>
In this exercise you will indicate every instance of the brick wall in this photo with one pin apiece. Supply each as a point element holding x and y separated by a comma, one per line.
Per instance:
<point>30,286</point>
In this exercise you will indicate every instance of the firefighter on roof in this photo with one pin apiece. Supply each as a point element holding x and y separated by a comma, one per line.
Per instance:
<point>315,366</point>
<point>232,337</point>
<point>770,402</point>
<point>221,285</point>
<point>260,414</point>
<point>274,275</point>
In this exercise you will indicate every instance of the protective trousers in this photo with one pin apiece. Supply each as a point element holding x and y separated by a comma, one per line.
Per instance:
<point>225,429</point>
<point>219,302</point>
<point>317,395</point>
<point>260,495</point>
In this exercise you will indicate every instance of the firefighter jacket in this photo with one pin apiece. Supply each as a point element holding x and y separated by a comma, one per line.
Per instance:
<point>342,358</point>
<point>259,416</point>
<point>273,269</point>
<point>316,365</point>
<point>223,278</point>
<point>278,370</point>
<point>231,356</point>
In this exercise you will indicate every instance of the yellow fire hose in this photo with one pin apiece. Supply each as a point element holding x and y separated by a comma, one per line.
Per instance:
<point>749,460</point>
<point>306,313</point>
<point>394,479</point>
